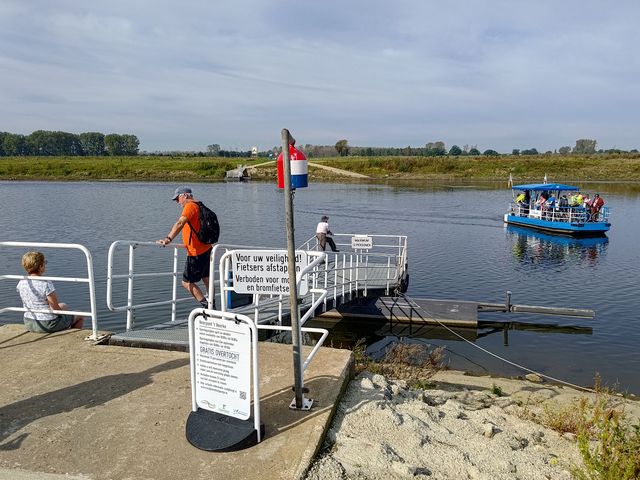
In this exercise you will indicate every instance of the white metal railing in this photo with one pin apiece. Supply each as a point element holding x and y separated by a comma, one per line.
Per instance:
<point>348,270</point>
<point>173,249</point>
<point>89,280</point>
<point>131,306</point>
<point>324,333</point>
<point>381,243</point>
<point>560,214</point>
<point>388,252</point>
<point>260,301</point>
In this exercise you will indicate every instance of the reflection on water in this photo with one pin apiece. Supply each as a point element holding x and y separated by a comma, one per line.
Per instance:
<point>346,332</point>
<point>547,250</point>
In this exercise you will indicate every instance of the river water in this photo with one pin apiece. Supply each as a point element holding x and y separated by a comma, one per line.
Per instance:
<point>458,249</point>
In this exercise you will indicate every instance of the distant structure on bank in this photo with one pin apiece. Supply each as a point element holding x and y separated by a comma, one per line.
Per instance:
<point>254,151</point>
<point>240,174</point>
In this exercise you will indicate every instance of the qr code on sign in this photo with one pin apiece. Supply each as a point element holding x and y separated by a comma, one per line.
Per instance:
<point>243,395</point>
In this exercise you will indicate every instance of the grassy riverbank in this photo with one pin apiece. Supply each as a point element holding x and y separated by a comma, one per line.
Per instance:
<point>595,167</point>
<point>120,168</point>
<point>601,167</point>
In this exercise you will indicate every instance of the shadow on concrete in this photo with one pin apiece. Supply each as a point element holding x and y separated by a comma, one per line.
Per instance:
<point>275,406</point>
<point>89,394</point>
<point>32,338</point>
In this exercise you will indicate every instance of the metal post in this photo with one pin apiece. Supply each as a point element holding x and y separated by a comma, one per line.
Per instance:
<point>293,288</point>
<point>130,314</point>
<point>174,284</point>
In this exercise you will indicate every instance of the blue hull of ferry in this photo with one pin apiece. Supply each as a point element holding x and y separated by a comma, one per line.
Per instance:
<point>585,229</point>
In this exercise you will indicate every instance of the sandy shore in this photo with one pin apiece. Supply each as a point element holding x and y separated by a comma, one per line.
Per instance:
<point>458,430</point>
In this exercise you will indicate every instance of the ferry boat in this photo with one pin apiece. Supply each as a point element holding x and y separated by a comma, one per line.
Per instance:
<point>545,206</point>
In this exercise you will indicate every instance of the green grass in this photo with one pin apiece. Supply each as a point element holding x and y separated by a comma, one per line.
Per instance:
<point>497,390</point>
<point>601,167</point>
<point>610,448</point>
<point>608,443</point>
<point>414,363</point>
<point>121,168</point>
<point>556,167</point>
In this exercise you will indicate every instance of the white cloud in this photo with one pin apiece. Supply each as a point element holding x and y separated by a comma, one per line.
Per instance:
<point>87,27</point>
<point>500,74</point>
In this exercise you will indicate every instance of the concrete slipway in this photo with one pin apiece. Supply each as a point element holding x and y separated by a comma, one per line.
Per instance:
<point>71,409</point>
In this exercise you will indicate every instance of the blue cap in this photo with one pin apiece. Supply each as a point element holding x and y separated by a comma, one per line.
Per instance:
<point>179,191</point>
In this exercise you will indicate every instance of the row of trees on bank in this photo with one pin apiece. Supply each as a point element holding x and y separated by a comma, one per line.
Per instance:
<point>56,143</point>
<point>48,143</point>
<point>583,146</point>
<point>432,149</point>
<point>435,149</point>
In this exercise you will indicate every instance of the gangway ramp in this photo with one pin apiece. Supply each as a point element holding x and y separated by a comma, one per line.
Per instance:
<point>332,279</point>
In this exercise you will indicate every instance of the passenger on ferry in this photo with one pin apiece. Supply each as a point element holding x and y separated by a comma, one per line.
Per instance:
<point>541,201</point>
<point>586,202</point>
<point>563,203</point>
<point>522,202</point>
<point>39,298</point>
<point>573,199</point>
<point>196,267</point>
<point>596,205</point>
<point>549,206</point>
<point>551,202</point>
<point>323,235</point>
<point>527,201</point>
<point>563,206</point>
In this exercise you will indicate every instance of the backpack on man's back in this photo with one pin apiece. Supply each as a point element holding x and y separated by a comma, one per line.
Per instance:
<point>209,227</point>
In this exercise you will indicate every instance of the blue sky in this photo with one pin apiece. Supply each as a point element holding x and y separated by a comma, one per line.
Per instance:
<point>183,75</point>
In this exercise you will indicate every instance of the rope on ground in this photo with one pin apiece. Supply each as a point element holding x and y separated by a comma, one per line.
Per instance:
<point>526,369</point>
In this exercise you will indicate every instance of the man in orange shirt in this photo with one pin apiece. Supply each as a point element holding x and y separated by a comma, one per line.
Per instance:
<point>196,267</point>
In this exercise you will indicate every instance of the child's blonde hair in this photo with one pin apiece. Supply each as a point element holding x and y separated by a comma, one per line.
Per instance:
<point>32,262</point>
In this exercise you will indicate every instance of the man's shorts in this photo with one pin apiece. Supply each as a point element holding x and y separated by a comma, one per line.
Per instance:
<point>322,241</point>
<point>61,322</point>
<point>196,268</point>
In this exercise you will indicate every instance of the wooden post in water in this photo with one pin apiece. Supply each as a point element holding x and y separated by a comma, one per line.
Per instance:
<point>293,287</point>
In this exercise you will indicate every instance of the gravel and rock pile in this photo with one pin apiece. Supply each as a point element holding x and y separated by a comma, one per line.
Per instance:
<point>384,430</point>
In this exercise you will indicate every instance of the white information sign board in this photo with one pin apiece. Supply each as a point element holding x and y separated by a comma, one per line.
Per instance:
<point>266,271</point>
<point>361,242</point>
<point>222,366</point>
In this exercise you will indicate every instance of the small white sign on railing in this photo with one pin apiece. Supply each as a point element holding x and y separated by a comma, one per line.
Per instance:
<point>361,242</point>
<point>222,366</point>
<point>266,271</point>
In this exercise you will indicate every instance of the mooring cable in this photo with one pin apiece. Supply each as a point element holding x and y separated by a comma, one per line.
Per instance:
<point>522,367</point>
